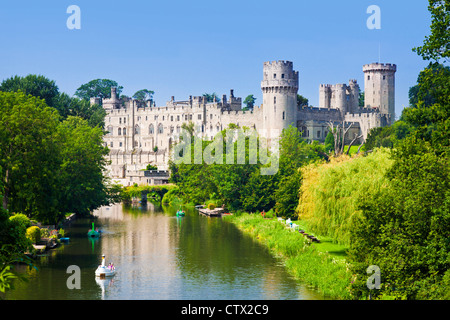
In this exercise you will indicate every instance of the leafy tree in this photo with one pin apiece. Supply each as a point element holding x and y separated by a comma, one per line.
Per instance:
<point>361,101</point>
<point>404,228</point>
<point>329,142</point>
<point>437,45</point>
<point>83,186</point>
<point>28,154</point>
<point>36,85</point>
<point>211,97</point>
<point>100,88</point>
<point>301,101</point>
<point>144,94</point>
<point>41,87</point>
<point>250,101</point>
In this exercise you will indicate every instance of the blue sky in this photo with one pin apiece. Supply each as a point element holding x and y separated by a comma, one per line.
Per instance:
<point>182,48</point>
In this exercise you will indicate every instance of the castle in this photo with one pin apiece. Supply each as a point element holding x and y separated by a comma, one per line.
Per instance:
<point>139,133</point>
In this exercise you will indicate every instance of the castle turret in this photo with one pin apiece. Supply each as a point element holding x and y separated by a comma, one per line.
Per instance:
<point>353,100</point>
<point>279,87</point>
<point>379,89</point>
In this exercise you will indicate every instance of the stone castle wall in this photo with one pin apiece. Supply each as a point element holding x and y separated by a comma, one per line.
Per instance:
<point>141,133</point>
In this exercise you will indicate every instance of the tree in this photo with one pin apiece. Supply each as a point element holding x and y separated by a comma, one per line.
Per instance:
<point>83,186</point>
<point>41,87</point>
<point>301,101</point>
<point>250,101</point>
<point>100,88</point>
<point>211,97</point>
<point>28,154</point>
<point>36,85</point>
<point>361,101</point>
<point>339,133</point>
<point>144,95</point>
<point>437,45</point>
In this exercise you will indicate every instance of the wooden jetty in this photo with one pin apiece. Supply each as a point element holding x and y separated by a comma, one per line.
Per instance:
<point>211,213</point>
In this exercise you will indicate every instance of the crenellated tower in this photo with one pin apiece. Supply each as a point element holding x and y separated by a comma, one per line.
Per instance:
<point>379,87</point>
<point>279,88</point>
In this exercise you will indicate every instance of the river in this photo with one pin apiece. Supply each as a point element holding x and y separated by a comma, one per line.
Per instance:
<point>159,256</point>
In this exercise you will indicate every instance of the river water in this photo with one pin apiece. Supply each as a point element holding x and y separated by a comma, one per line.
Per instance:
<point>159,256</point>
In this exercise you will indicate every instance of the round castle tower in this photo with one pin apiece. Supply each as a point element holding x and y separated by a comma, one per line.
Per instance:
<point>379,88</point>
<point>279,87</point>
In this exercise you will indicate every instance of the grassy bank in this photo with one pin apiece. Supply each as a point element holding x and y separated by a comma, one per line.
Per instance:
<point>321,265</point>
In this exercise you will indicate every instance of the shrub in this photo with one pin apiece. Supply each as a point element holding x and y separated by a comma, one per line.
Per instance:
<point>21,220</point>
<point>211,206</point>
<point>45,233</point>
<point>34,234</point>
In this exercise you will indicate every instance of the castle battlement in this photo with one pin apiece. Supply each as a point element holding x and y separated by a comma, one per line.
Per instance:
<point>380,67</point>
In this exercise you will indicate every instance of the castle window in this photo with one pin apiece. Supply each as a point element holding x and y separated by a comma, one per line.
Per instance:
<point>120,144</point>
<point>111,144</point>
<point>171,118</point>
<point>124,131</point>
<point>199,117</point>
<point>282,76</point>
<point>120,120</point>
<point>124,120</point>
<point>119,132</point>
<point>178,118</point>
<point>274,100</point>
<point>368,77</point>
<point>137,130</point>
<point>274,75</point>
<point>384,77</point>
<point>283,116</point>
<point>151,129</point>
<point>185,117</point>
<point>160,128</point>
<point>318,134</point>
<point>110,130</point>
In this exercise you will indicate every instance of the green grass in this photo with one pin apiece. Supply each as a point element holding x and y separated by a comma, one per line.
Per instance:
<point>321,265</point>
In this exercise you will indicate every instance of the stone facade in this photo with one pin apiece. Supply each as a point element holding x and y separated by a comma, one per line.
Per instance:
<point>140,133</point>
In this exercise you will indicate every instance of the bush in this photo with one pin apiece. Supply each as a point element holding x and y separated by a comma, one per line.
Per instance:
<point>211,206</point>
<point>34,234</point>
<point>21,220</point>
<point>45,233</point>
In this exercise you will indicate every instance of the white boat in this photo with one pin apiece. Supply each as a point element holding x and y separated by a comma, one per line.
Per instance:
<point>105,271</point>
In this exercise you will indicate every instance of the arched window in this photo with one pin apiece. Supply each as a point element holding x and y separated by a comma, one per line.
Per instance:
<point>119,131</point>
<point>137,130</point>
<point>151,129</point>
<point>160,128</point>
<point>124,131</point>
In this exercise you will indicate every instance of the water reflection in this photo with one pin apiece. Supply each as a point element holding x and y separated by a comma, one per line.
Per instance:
<point>161,256</point>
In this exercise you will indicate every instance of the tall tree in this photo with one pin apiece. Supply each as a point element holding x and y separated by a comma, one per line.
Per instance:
<point>83,186</point>
<point>250,101</point>
<point>211,97</point>
<point>437,45</point>
<point>36,85</point>
<point>28,154</point>
<point>99,88</point>
<point>144,94</point>
<point>301,101</point>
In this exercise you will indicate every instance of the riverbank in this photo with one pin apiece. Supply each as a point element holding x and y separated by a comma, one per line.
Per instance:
<point>320,265</point>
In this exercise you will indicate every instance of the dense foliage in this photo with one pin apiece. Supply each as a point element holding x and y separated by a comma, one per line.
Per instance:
<point>240,185</point>
<point>331,192</point>
<point>48,167</point>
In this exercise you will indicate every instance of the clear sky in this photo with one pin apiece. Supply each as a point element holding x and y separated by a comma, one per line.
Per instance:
<point>182,48</point>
